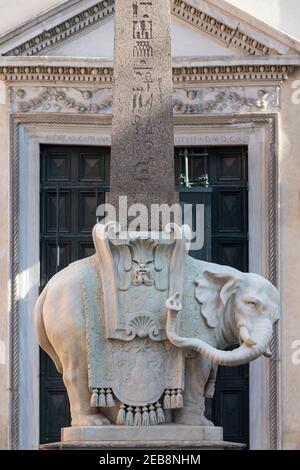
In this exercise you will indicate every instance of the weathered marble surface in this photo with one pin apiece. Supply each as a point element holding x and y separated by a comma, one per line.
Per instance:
<point>164,437</point>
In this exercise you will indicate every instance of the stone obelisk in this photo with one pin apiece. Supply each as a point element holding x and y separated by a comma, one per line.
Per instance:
<point>142,153</point>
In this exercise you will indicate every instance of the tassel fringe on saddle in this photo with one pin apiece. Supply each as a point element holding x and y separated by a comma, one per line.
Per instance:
<point>149,415</point>
<point>173,399</point>
<point>102,397</point>
<point>141,415</point>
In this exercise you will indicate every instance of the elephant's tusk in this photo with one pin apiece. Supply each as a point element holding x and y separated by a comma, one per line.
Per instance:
<point>268,352</point>
<point>245,336</point>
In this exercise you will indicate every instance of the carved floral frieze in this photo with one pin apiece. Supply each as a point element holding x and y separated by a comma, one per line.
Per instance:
<point>226,100</point>
<point>61,100</point>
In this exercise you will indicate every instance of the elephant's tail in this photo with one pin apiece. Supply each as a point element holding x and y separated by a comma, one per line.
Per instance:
<point>41,332</point>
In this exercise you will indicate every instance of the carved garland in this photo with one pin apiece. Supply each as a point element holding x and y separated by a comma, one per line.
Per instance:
<point>98,100</point>
<point>62,31</point>
<point>235,37</point>
<point>58,99</point>
<point>180,74</point>
<point>86,121</point>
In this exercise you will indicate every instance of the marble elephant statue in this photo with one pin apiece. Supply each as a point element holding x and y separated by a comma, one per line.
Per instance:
<point>218,306</point>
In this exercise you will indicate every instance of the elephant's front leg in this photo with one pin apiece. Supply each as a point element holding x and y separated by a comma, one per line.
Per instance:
<point>209,390</point>
<point>197,372</point>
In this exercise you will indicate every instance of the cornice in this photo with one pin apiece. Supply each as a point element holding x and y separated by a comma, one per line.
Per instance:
<point>226,73</point>
<point>104,75</point>
<point>57,73</point>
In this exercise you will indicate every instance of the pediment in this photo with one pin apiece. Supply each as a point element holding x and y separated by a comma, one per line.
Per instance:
<point>99,42</point>
<point>200,28</point>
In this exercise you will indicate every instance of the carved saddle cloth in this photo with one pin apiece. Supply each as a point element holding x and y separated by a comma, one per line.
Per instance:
<point>130,360</point>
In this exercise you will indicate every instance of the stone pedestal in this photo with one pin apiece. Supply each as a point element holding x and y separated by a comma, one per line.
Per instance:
<point>170,436</point>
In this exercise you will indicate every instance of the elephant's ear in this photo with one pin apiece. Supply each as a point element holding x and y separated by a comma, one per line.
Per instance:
<point>214,286</point>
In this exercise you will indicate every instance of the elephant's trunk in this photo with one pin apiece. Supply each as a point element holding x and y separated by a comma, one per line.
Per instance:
<point>242,355</point>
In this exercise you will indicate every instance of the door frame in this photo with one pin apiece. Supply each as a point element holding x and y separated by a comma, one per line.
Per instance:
<point>259,133</point>
<point>27,133</point>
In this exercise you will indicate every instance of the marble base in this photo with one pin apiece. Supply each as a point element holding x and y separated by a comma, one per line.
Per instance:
<point>170,436</point>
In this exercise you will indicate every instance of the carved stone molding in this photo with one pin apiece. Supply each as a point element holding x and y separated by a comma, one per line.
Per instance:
<point>268,120</point>
<point>229,36</point>
<point>61,100</point>
<point>56,73</point>
<point>226,100</point>
<point>203,74</point>
<point>231,73</point>
<point>62,31</point>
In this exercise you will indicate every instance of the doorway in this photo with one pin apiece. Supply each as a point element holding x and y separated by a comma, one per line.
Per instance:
<point>73,183</point>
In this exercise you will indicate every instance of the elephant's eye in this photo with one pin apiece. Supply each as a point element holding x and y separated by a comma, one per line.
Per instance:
<point>250,303</point>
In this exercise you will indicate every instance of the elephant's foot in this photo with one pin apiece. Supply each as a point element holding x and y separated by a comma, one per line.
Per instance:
<point>203,421</point>
<point>191,418</point>
<point>95,419</point>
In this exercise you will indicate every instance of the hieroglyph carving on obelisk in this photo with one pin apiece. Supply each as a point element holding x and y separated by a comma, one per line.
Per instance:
<point>142,163</point>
